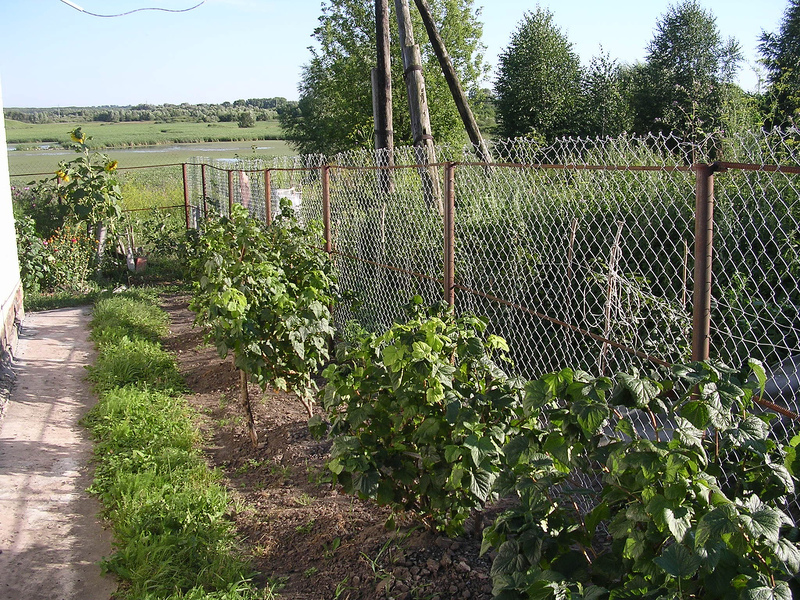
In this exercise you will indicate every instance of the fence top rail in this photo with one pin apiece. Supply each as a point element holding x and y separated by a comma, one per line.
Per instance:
<point>719,166</point>
<point>754,167</point>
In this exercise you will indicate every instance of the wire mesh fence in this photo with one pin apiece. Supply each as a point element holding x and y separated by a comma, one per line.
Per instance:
<point>600,255</point>
<point>581,254</point>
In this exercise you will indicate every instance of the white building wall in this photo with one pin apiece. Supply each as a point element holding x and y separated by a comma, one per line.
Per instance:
<point>10,286</point>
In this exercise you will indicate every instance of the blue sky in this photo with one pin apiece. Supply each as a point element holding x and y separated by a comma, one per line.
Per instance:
<point>53,55</point>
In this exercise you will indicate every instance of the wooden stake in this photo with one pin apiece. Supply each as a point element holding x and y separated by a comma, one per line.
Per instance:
<point>611,291</point>
<point>248,409</point>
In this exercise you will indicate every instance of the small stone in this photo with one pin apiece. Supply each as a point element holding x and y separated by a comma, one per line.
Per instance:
<point>467,594</point>
<point>446,561</point>
<point>455,546</point>
<point>443,542</point>
<point>414,570</point>
<point>463,567</point>
<point>487,589</point>
<point>356,580</point>
<point>453,589</point>
<point>432,565</point>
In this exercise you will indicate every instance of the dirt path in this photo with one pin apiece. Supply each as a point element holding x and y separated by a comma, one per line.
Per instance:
<point>50,537</point>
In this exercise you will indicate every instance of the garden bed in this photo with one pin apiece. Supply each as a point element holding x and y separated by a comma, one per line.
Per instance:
<point>301,533</point>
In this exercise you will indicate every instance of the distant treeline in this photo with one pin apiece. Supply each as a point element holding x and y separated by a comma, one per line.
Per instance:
<point>260,109</point>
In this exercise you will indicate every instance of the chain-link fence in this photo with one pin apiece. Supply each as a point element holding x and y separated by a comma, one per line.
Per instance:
<point>602,255</point>
<point>581,254</point>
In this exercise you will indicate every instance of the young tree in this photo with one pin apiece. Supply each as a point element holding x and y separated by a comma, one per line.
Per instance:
<point>605,104</point>
<point>538,80</point>
<point>334,112</point>
<point>781,58</point>
<point>680,87</point>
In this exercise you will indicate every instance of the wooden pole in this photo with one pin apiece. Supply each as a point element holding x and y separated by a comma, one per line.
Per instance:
<point>703,245</point>
<point>382,83</point>
<point>418,106</point>
<point>453,82</point>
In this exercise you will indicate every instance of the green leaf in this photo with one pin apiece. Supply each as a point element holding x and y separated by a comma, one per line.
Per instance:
<point>788,552</point>
<point>481,484</point>
<point>508,560</point>
<point>677,560</point>
<point>634,392</point>
<point>715,524</point>
<point>591,415</point>
<point>762,521</point>
<point>697,413</point>
<point>428,430</point>
<point>781,591</point>
<point>452,453</point>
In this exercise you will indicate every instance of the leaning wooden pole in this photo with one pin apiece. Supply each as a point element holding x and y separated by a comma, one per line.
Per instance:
<point>418,106</point>
<point>450,75</point>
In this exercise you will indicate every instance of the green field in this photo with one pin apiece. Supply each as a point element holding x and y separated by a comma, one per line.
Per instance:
<point>139,133</point>
<point>26,163</point>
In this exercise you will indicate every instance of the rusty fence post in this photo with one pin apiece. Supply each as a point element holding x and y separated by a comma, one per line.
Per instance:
<point>268,196</point>
<point>204,185</point>
<point>185,171</point>
<point>230,193</point>
<point>449,232</point>
<point>703,246</point>
<point>326,207</point>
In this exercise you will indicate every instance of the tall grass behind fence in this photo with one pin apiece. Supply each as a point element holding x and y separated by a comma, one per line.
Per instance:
<point>582,254</point>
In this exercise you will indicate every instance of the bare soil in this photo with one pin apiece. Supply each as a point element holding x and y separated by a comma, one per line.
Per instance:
<point>312,539</point>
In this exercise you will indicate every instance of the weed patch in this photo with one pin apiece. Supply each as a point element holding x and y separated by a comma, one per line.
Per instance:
<point>174,538</point>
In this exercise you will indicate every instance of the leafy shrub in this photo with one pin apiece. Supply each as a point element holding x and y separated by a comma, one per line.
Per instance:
<point>265,294</point>
<point>686,502</point>
<point>420,415</point>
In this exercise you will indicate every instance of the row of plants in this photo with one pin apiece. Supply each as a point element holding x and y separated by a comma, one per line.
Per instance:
<point>671,484</point>
<point>264,293</point>
<point>173,535</point>
<point>668,486</point>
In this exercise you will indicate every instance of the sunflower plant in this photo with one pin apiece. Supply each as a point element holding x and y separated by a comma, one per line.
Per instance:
<point>89,185</point>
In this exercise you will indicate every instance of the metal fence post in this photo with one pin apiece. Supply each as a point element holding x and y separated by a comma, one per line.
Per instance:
<point>326,207</point>
<point>230,193</point>
<point>449,232</point>
<point>268,196</point>
<point>186,195</point>
<point>205,190</point>
<point>703,246</point>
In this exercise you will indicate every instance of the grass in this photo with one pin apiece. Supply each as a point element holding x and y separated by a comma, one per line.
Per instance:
<point>140,133</point>
<point>23,164</point>
<point>169,514</point>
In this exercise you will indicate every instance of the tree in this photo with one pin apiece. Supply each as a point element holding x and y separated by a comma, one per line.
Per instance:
<point>538,80</point>
<point>605,108</point>
<point>334,112</point>
<point>781,58</point>
<point>680,87</point>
